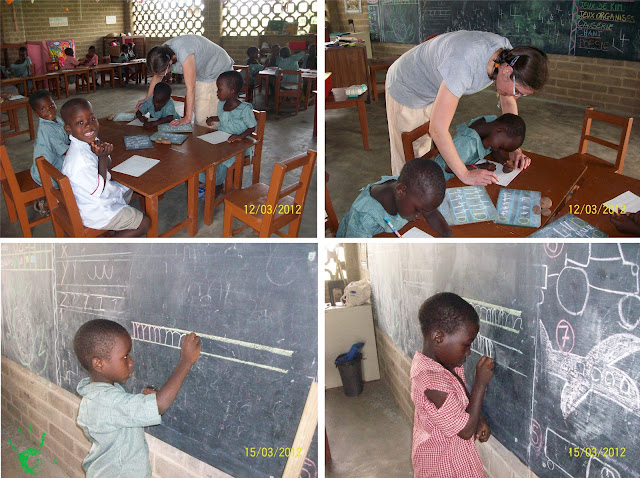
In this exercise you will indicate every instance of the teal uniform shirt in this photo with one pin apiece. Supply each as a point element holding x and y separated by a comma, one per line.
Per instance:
<point>290,63</point>
<point>468,145</point>
<point>169,109</point>
<point>366,216</point>
<point>253,71</point>
<point>52,142</point>
<point>21,69</point>
<point>113,421</point>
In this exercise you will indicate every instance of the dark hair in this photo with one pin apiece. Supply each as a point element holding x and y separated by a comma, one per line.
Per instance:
<point>315,48</point>
<point>95,339</point>
<point>252,49</point>
<point>71,105</point>
<point>68,51</point>
<point>92,47</point>
<point>423,177</point>
<point>285,52</point>
<point>162,89</point>
<point>529,65</point>
<point>37,96</point>
<point>159,58</point>
<point>22,49</point>
<point>446,311</point>
<point>124,47</point>
<point>513,124</point>
<point>233,79</point>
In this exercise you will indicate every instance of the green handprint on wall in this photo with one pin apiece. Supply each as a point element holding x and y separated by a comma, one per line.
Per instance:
<point>25,455</point>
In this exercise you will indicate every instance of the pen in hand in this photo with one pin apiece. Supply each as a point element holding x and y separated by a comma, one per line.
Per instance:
<point>386,219</point>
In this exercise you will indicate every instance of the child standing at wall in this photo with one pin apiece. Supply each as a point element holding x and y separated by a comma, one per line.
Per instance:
<point>446,418</point>
<point>112,419</point>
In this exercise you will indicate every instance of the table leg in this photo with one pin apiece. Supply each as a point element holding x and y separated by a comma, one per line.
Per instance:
<point>362,112</point>
<point>58,85</point>
<point>315,118</point>
<point>192,205</point>
<point>30,119</point>
<point>209,195</point>
<point>66,84</point>
<point>151,207</point>
<point>237,179</point>
<point>266,91</point>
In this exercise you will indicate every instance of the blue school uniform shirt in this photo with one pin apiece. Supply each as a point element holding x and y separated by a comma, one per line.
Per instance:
<point>21,69</point>
<point>113,421</point>
<point>168,109</point>
<point>52,142</point>
<point>468,144</point>
<point>290,63</point>
<point>366,216</point>
<point>253,71</point>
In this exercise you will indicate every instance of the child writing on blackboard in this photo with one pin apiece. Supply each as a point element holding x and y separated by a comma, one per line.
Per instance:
<point>419,189</point>
<point>160,107</point>
<point>103,203</point>
<point>447,419</point>
<point>112,419</point>
<point>487,135</point>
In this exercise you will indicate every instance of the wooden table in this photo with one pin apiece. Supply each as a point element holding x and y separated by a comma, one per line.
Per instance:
<point>178,164</point>
<point>21,80</point>
<point>11,107</point>
<point>53,76</point>
<point>554,178</point>
<point>310,77</point>
<point>104,68</point>
<point>86,72</point>
<point>338,99</point>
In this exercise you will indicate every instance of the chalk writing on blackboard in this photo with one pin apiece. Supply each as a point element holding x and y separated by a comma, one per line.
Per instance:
<point>568,225</point>
<point>139,141</point>
<point>515,207</point>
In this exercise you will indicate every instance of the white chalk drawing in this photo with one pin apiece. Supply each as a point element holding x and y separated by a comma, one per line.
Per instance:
<point>553,249</point>
<point>172,337</point>
<point>309,469</point>
<point>485,346</point>
<point>565,336</point>
<point>593,373</point>
<point>536,435</point>
<point>498,316</point>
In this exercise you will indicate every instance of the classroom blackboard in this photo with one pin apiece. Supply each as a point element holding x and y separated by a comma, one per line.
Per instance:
<point>254,306</point>
<point>561,322</point>
<point>582,28</point>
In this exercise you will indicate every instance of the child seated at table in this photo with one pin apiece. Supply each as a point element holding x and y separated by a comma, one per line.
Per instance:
<point>419,189</point>
<point>310,60</point>
<point>22,68</point>
<point>91,59</point>
<point>160,107</point>
<point>70,63</point>
<point>486,135</point>
<point>253,63</point>
<point>103,203</point>
<point>627,223</point>
<point>52,141</point>
<point>287,61</point>
<point>273,56</point>
<point>234,116</point>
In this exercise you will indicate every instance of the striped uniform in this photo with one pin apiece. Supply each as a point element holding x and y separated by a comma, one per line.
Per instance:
<point>438,451</point>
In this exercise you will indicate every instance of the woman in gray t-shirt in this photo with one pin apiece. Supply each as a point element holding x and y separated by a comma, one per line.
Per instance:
<point>200,61</point>
<point>426,83</point>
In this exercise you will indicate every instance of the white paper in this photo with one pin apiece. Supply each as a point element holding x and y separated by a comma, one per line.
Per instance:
<point>414,233</point>
<point>16,97</point>
<point>503,178</point>
<point>630,201</point>
<point>135,165</point>
<point>135,122</point>
<point>124,116</point>
<point>215,137</point>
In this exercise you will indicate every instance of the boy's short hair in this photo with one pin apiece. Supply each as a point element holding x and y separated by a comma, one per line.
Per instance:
<point>71,105</point>
<point>446,311</point>
<point>68,51</point>
<point>513,124</point>
<point>423,176</point>
<point>124,47</point>
<point>252,49</point>
<point>233,79</point>
<point>95,339</point>
<point>285,52</point>
<point>22,48</point>
<point>37,96</point>
<point>92,47</point>
<point>162,89</point>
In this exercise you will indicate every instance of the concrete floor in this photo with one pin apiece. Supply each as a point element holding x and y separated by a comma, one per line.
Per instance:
<point>552,129</point>
<point>286,135</point>
<point>10,463</point>
<point>368,435</point>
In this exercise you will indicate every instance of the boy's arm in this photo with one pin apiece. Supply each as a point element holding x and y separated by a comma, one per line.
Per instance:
<point>102,150</point>
<point>239,137</point>
<point>188,356</point>
<point>152,123</point>
<point>484,373</point>
<point>437,221</point>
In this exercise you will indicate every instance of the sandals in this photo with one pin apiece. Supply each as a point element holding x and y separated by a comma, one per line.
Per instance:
<point>41,207</point>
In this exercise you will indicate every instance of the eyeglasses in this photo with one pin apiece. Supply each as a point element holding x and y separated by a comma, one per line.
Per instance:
<point>516,94</point>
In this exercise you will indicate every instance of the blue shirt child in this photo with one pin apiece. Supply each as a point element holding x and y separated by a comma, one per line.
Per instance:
<point>52,142</point>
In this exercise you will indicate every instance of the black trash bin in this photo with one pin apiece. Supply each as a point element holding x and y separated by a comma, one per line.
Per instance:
<point>351,375</point>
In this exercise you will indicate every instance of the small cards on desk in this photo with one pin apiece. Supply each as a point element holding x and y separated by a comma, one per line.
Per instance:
<point>515,208</point>
<point>569,226</point>
<point>135,165</point>
<point>215,137</point>
<point>173,137</point>
<point>626,202</point>
<point>503,178</point>
<point>139,141</point>
<point>183,128</point>
<point>124,117</point>
<point>466,205</point>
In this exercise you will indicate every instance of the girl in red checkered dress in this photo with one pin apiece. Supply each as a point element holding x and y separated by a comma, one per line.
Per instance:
<point>447,418</point>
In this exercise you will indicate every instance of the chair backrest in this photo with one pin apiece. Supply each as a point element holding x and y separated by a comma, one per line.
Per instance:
<point>408,137</point>
<point>104,59</point>
<point>6,170</point>
<point>52,66</point>
<point>65,215</point>
<point>244,71</point>
<point>430,37</point>
<point>182,99</point>
<point>300,187</point>
<point>258,134</point>
<point>624,122</point>
<point>280,80</point>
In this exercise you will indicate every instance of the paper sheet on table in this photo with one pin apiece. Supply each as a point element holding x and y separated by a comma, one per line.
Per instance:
<point>16,97</point>
<point>215,137</point>
<point>135,165</point>
<point>630,201</point>
<point>124,116</point>
<point>414,233</point>
<point>137,122</point>
<point>503,178</point>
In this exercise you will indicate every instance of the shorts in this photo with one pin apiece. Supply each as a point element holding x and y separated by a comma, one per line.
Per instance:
<point>128,218</point>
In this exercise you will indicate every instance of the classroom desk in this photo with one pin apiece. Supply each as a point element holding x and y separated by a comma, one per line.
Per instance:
<point>104,68</point>
<point>178,164</point>
<point>554,178</point>
<point>309,77</point>
<point>85,72</point>
<point>338,99</point>
<point>53,76</point>
<point>11,107</point>
<point>16,81</point>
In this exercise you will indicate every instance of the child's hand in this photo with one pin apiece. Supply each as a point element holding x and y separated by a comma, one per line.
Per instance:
<point>483,432</point>
<point>233,138</point>
<point>628,223</point>
<point>146,124</point>
<point>190,348</point>
<point>101,148</point>
<point>519,159</point>
<point>484,370</point>
<point>148,390</point>
<point>211,121</point>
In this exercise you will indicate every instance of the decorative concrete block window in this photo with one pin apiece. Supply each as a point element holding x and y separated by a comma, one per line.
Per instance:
<point>251,17</point>
<point>168,18</point>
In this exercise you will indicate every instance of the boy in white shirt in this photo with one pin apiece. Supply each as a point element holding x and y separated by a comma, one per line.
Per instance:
<point>103,203</point>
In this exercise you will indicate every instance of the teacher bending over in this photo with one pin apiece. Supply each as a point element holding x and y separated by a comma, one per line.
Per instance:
<point>201,62</point>
<point>426,83</point>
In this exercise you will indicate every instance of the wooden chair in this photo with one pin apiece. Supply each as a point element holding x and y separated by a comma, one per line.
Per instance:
<point>624,122</point>
<point>331,221</point>
<point>408,137</point>
<point>65,215</point>
<point>375,88</point>
<point>20,191</point>
<point>258,135</point>
<point>52,66</point>
<point>267,209</point>
<point>246,88</point>
<point>285,90</point>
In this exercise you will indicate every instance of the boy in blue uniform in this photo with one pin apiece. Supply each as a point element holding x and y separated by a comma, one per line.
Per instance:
<point>52,141</point>
<point>419,189</point>
<point>487,135</point>
<point>112,419</point>
<point>160,106</point>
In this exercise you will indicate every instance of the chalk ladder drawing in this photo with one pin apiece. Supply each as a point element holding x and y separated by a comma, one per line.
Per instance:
<point>594,373</point>
<point>172,337</point>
